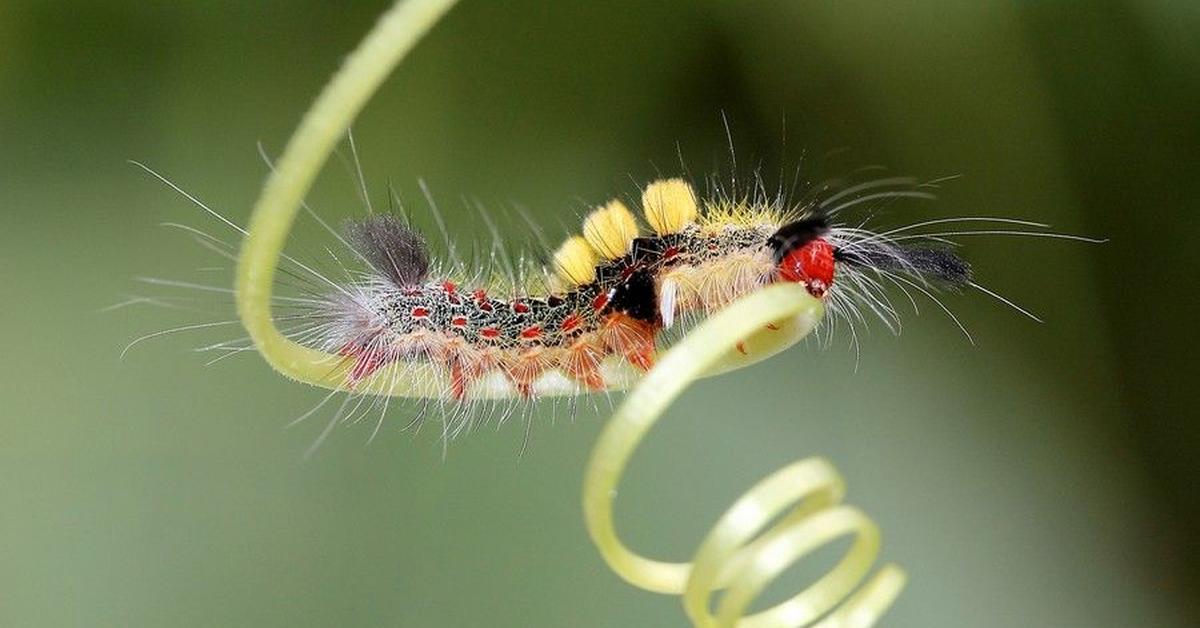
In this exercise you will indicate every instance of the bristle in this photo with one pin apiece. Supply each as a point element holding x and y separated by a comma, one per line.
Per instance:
<point>391,247</point>
<point>669,205</point>
<point>610,230</point>
<point>575,262</point>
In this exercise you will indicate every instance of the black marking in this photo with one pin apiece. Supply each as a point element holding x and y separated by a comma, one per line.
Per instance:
<point>796,234</point>
<point>636,296</point>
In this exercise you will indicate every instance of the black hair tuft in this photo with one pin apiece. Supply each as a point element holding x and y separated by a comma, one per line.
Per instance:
<point>392,248</point>
<point>936,263</point>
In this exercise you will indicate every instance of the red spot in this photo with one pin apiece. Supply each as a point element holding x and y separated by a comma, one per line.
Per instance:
<point>420,312</point>
<point>481,299</point>
<point>600,301</point>
<point>520,307</point>
<point>489,332</point>
<point>627,272</point>
<point>531,333</point>
<point>450,288</point>
<point>459,321</point>
<point>671,252</point>
<point>570,323</point>
<point>811,264</point>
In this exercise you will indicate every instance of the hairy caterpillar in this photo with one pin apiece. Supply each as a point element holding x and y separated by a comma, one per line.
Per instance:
<point>613,289</point>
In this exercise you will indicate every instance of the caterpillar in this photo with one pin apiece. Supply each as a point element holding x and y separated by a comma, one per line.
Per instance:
<point>613,289</point>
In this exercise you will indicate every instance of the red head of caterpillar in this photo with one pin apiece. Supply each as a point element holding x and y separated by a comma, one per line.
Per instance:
<point>804,255</point>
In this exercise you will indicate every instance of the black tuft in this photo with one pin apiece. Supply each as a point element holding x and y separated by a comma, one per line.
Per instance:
<point>636,297</point>
<point>940,264</point>
<point>391,247</point>
<point>796,234</point>
<point>935,263</point>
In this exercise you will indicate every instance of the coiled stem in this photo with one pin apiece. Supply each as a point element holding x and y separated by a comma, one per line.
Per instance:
<point>325,124</point>
<point>743,553</point>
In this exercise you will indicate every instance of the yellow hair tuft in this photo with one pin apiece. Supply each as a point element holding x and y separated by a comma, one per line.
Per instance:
<point>575,262</point>
<point>610,230</point>
<point>669,205</point>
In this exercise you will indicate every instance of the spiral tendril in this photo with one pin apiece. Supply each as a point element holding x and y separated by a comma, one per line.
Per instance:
<point>744,552</point>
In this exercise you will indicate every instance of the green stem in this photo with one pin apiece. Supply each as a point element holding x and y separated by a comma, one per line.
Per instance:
<point>326,122</point>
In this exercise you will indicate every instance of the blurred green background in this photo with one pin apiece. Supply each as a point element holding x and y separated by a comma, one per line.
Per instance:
<point>1045,477</point>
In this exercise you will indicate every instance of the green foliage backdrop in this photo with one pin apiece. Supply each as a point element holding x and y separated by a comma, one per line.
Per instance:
<point>1045,477</point>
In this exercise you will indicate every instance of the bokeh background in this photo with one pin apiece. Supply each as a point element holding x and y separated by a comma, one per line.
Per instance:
<point>1045,477</point>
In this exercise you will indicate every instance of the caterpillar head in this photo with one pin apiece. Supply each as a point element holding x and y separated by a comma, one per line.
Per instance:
<point>803,254</point>
<point>809,251</point>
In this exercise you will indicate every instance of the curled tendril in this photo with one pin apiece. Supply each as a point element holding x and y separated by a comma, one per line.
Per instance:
<point>327,121</point>
<point>744,551</point>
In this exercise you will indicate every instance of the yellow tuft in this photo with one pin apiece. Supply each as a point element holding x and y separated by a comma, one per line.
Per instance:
<point>575,262</point>
<point>610,230</point>
<point>669,205</point>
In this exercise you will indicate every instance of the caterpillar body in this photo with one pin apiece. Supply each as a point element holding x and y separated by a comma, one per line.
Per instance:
<point>612,290</point>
